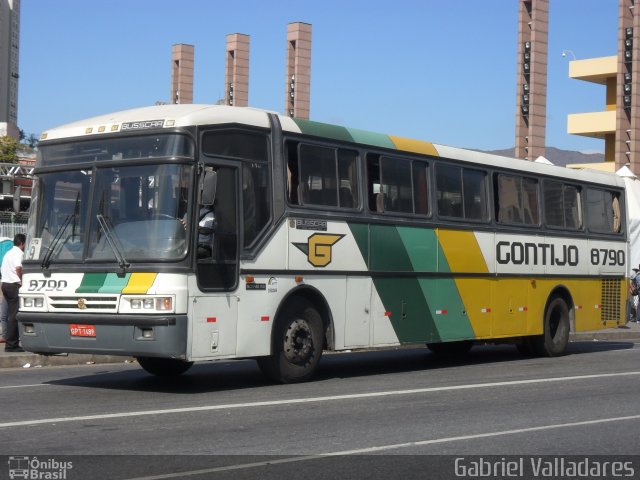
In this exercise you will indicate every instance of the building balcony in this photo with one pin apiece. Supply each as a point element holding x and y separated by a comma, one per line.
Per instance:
<point>593,124</point>
<point>595,70</point>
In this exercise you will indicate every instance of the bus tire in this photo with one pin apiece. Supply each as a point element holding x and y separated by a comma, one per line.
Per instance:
<point>164,367</point>
<point>296,345</point>
<point>553,342</point>
<point>451,349</point>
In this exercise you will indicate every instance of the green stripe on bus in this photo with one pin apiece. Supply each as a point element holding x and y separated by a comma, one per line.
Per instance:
<point>360,232</point>
<point>409,312</point>
<point>371,138</point>
<point>401,296</point>
<point>387,251</point>
<point>421,245</point>
<point>447,309</point>
<point>91,282</point>
<point>318,129</point>
<point>421,309</point>
<point>113,283</point>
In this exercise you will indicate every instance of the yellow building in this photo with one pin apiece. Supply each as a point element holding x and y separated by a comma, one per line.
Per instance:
<point>601,124</point>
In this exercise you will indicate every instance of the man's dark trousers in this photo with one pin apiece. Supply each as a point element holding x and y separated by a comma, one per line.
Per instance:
<point>10,292</point>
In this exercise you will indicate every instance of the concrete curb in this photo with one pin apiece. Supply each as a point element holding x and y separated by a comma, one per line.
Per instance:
<point>16,360</point>
<point>595,336</point>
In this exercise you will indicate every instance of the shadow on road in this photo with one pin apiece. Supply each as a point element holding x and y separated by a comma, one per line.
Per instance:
<point>209,377</point>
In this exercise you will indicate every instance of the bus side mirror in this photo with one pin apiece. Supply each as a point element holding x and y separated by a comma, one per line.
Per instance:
<point>208,190</point>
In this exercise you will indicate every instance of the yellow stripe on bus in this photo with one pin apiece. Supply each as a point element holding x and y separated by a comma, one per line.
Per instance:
<point>415,146</point>
<point>464,255</point>
<point>140,283</point>
<point>462,251</point>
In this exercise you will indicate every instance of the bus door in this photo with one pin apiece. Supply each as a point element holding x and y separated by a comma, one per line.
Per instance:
<point>357,328</point>
<point>215,310</point>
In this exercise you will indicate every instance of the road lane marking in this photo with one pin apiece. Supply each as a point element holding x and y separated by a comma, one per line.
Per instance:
<point>294,401</point>
<point>24,386</point>
<point>381,448</point>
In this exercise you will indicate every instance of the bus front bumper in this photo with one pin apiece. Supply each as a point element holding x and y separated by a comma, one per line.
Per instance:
<point>104,334</point>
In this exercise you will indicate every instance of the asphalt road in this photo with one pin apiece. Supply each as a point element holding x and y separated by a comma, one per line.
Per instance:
<point>376,414</point>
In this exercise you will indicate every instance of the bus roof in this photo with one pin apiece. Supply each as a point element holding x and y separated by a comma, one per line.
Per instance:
<point>182,115</point>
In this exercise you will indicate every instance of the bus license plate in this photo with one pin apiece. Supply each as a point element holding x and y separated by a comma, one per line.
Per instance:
<point>82,330</point>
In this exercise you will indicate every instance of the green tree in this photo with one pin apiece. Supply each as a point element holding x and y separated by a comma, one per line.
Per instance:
<point>32,140</point>
<point>8,148</point>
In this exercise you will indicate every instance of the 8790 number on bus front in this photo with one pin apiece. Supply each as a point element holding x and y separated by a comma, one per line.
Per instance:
<point>605,256</point>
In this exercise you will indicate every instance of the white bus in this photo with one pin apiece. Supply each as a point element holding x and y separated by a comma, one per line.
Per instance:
<point>180,233</point>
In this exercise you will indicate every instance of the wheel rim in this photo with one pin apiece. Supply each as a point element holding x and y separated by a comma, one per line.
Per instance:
<point>298,342</point>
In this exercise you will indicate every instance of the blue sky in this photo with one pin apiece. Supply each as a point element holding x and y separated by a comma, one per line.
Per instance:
<point>442,71</point>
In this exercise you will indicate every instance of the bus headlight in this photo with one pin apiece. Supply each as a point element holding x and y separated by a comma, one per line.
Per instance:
<point>146,304</point>
<point>164,304</point>
<point>33,302</point>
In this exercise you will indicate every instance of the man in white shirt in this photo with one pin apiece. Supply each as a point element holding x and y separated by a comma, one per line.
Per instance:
<point>11,271</point>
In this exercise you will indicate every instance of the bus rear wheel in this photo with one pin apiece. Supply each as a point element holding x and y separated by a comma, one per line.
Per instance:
<point>297,344</point>
<point>164,367</point>
<point>553,342</point>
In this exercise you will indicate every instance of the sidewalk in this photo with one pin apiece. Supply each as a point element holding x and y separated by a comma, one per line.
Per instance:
<point>629,332</point>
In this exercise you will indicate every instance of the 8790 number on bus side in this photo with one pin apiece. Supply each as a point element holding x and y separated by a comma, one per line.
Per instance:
<point>605,256</point>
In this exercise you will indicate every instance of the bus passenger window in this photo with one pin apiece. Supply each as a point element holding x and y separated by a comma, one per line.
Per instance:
<point>396,184</point>
<point>603,211</point>
<point>517,200</point>
<point>449,190</point>
<point>292,173</point>
<point>327,176</point>
<point>255,199</point>
<point>474,188</point>
<point>562,205</point>
<point>420,188</point>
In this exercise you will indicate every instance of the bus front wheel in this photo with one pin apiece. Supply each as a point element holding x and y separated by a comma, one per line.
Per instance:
<point>164,367</point>
<point>553,342</point>
<point>297,344</point>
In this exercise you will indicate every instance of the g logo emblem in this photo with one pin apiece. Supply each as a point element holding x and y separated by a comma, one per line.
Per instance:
<point>318,248</point>
<point>82,304</point>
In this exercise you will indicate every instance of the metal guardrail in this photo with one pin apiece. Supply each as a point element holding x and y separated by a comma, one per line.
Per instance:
<point>9,230</point>
<point>15,170</point>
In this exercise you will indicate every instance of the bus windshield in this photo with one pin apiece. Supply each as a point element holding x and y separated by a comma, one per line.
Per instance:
<point>111,214</point>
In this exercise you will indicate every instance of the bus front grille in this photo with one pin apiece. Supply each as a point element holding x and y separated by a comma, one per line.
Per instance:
<point>610,304</point>
<point>81,303</point>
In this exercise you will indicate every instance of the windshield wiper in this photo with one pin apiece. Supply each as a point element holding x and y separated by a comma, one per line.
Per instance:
<point>114,244</point>
<point>46,261</point>
<point>75,214</point>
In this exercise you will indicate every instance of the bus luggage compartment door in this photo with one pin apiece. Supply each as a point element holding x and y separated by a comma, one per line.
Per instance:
<point>214,326</point>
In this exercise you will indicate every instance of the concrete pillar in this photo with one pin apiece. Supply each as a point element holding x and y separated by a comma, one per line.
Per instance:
<point>182,73</point>
<point>236,80</point>
<point>627,149</point>
<point>531,94</point>
<point>298,73</point>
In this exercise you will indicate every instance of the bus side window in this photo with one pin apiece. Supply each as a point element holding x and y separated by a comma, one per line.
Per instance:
<point>292,174</point>
<point>220,271</point>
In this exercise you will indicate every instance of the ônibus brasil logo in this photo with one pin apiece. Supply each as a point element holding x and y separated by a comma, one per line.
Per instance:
<point>34,468</point>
